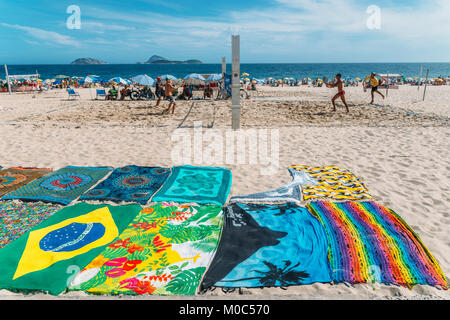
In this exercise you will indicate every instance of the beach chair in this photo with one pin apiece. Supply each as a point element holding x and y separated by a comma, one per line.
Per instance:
<point>73,94</point>
<point>100,93</point>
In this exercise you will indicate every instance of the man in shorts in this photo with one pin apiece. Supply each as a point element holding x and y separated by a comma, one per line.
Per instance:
<point>341,93</point>
<point>374,83</point>
<point>169,96</point>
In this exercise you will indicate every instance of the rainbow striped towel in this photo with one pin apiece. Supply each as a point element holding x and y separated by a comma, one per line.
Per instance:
<point>369,242</point>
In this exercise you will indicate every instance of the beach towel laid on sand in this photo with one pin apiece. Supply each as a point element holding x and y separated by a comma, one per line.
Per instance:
<point>165,250</point>
<point>45,258</point>
<point>288,193</point>
<point>130,184</point>
<point>18,218</point>
<point>269,246</point>
<point>369,243</point>
<point>332,183</point>
<point>61,186</point>
<point>202,185</point>
<point>13,178</point>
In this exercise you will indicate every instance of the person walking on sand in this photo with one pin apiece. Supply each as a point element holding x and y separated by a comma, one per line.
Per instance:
<point>341,93</point>
<point>169,96</point>
<point>158,90</point>
<point>374,83</point>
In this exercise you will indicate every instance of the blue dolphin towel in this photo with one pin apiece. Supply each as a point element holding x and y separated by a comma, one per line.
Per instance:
<point>61,186</point>
<point>129,184</point>
<point>202,185</point>
<point>290,192</point>
<point>269,246</point>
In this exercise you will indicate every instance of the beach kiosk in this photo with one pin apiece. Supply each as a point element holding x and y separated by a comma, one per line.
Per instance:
<point>393,78</point>
<point>10,78</point>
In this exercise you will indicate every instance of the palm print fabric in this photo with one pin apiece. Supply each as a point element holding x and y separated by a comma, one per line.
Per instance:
<point>269,246</point>
<point>165,251</point>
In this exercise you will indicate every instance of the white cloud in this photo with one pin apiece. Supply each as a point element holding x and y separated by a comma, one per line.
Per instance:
<point>98,27</point>
<point>317,28</point>
<point>49,36</point>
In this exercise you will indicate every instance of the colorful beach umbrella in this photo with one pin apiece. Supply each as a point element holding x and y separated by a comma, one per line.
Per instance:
<point>119,80</point>
<point>245,75</point>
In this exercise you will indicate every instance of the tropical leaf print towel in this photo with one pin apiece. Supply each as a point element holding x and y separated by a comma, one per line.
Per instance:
<point>165,251</point>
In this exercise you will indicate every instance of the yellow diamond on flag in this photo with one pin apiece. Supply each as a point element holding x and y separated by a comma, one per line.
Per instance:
<point>66,240</point>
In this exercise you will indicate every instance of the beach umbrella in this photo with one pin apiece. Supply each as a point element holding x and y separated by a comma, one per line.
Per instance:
<point>87,80</point>
<point>245,75</point>
<point>167,77</point>
<point>214,78</point>
<point>119,80</point>
<point>143,79</point>
<point>194,78</point>
<point>358,79</point>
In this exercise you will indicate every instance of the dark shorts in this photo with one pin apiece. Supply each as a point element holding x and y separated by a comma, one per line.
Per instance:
<point>171,99</point>
<point>374,89</point>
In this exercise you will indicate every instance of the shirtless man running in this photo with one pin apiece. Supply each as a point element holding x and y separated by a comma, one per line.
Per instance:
<point>341,93</point>
<point>170,97</point>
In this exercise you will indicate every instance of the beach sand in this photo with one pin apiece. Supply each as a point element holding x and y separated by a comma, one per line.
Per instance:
<point>399,147</point>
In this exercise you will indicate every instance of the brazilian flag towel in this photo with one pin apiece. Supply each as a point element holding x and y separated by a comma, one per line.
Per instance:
<point>48,256</point>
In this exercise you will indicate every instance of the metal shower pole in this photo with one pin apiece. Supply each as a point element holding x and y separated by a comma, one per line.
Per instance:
<point>236,84</point>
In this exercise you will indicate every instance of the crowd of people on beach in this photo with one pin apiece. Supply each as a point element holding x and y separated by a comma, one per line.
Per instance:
<point>166,89</point>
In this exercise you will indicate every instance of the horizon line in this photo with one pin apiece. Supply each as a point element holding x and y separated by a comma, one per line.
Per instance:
<point>216,63</point>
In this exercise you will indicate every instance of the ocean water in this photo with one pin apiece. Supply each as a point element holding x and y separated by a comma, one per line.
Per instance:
<point>259,71</point>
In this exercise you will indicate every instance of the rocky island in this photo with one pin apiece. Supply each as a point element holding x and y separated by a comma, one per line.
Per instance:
<point>161,60</point>
<point>82,61</point>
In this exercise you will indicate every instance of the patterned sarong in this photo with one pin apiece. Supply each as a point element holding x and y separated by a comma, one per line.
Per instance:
<point>61,186</point>
<point>202,185</point>
<point>18,218</point>
<point>269,246</point>
<point>290,192</point>
<point>165,250</point>
<point>129,184</point>
<point>13,178</point>
<point>48,256</point>
<point>370,243</point>
<point>333,183</point>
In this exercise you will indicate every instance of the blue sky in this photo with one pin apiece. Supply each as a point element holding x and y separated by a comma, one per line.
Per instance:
<point>35,32</point>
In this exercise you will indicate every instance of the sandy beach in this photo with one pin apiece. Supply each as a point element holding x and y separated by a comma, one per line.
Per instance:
<point>399,146</point>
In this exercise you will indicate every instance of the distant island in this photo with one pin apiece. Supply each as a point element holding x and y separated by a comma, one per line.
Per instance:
<point>88,61</point>
<point>161,60</point>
